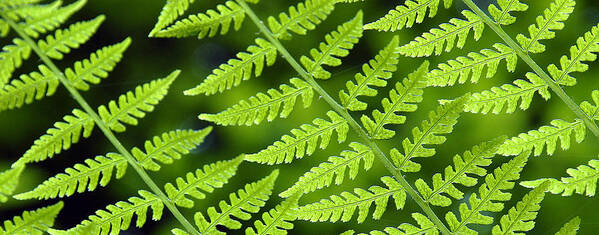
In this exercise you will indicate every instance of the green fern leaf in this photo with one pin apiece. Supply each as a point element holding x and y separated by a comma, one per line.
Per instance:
<point>592,110</point>
<point>11,58</point>
<point>32,222</point>
<point>406,15</point>
<point>14,3</point>
<point>470,163</point>
<point>471,67</point>
<point>570,228</point>
<point>277,220</point>
<point>322,175</point>
<point>439,122</point>
<point>304,142</point>
<point>501,14</point>
<point>247,200</point>
<point>374,73</point>
<point>520,218</point>
<point>118,217</point>
<point>545,136</point>
<point>490,197</point>
<point>436,39</point>
<point>86,177</point>
<point>552,19</point>
<point>582,180</point>
<point>267,106</point>
<point>212,176</point>
<point>301,18</point>
<point>336,44</point>
<point>234,71</point>
<point>584,50</point>
<point>169,13</point>
<point>29,10</point>
<point>9,180</point>
<point>59,138</point>
<point>404,98</point>
<point>43,23</point>
<point>508,96</point>
<point>63,40</point>
<point>343,207</point>
<point>206,24</point>
<point>133,105</point>
<point>425,226</point>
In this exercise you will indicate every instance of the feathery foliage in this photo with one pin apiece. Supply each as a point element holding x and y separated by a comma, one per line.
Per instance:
<point>9,180</point>
<point>501,13</point>
<point>301,18</point>
<point>570,228</point>
<point>520,218</point>
<point>545,136</point>
<point>590,109</point>
<point>169,13</point>
<point>425,226</point>
<point>581,180</point>
<point>32,222</point>
<point>408,14</point>
<point>276,220</point>
<point>584,50</point>
<point>552,19</point>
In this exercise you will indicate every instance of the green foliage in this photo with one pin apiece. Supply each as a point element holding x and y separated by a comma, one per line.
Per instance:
<point>552,19</point>
<point>404,98</point>
<point>570,228</point>
<point>32,222</point>
<point>276,220</point>
<point>337,44</point>
<point>520,218</point>
<point>169,13</point>
<point>425,226</point>
<point>582,180</point>
<point>584,50</point>
<point>374,73</point>
<point>408,14</point>
<point>545,136</point>
<point>301,18</point>
<point>64,40</point>
<point>49,20</point>
<point>343,207</point>
<point>9,180</point>
<point>501,14</point>
<point>436,39</point>
<point>589,109</point>
<point>304,141</point>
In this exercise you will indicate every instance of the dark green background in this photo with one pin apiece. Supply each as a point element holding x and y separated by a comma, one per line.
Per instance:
<point>150,58</point>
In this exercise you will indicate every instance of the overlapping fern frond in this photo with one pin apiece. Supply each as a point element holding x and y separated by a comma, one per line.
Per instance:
<point>276,220</point>
<point>425,226</point>
<point>301,18</point>
<point>335,167</point>
<point>86,177</point>
<point>581,180</point>
<point>304,142</point>
<point>413,11</point>
<point>501,12</point>
<point>9,180</point>
<point>374,73</point>
<point>552,19</point>
<point>520,218</point>
<point>490,197</point>
<point>584,51</point>
<point>343,207</point>
<point>446,37</point>
<point>403,98</point>
<point>35,222</point>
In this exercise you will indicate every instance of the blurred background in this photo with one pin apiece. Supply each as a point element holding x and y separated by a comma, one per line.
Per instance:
<point>151,58</point>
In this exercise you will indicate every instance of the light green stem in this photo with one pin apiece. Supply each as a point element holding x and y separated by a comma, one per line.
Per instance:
<point>107,132</point>
<point>352,122</point>
<point>536,68</point>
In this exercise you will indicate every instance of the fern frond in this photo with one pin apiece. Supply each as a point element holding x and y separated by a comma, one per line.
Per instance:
<point>545,136</point>
<point>374,73</point>
<point>275,103</point>
<point>436,39</point>
<point>212,176</point>
<point>304,141</point>
<point>276,220</point>
<point>581,180</point>
<point>9,180</point>
<point>508,96</point>
<point>86,177</point>
<point>14,3</point>
<point>403,98</point>
<point>343,207</point>
<point>501,14</point>
<point>322,175</point>
<point>60,137</point>
<point>406,15</point>
<point>28,10</point>
<point>439,122</point>
<point>63,40</point>
<point>584,50</point>
<point>234,71</point>
<point>552,19</point>
<point>247,200</point>
<point>425,226</point>
<point>570,228</point>
<point>337,44</point>
<point>206,24</point>
<point>471,67</point>
<point>470,163</point>
<point>134,104</point>
<point>29,87</point>
<point>301,18</point>
<point>42,23</point>
<point>118,217</point>
<point>32,222</point>
<point>490,197</point>
<point>12,57</point>
<point>592,110</point>
<point>97,66</point>
<point>170,12</point>
<point>520,218</point>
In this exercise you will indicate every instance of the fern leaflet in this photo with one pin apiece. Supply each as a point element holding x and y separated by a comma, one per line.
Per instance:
<point>582,180</point>
<point>584,50</point>
<point>570,228</point>
<point>589,109</point>
<point>304,142</point>
<point>425,226</point>
<point>12,57</point>
<point>301,18</point>
<point>552,19</point>
<point>520,218</point>
<point>501,14</point>
<point>9,180</point>
<point>406,15</point>
<point>42,23</point>
<point>32,222</point>
<point>545,136</point>
<point>63,40</point>
<point>169,13</point>
<point>276,220</point>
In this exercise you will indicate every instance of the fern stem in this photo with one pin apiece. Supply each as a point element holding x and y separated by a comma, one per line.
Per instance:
<point>107,132</point>
<point>535,67</point>
<point>343,112</point>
